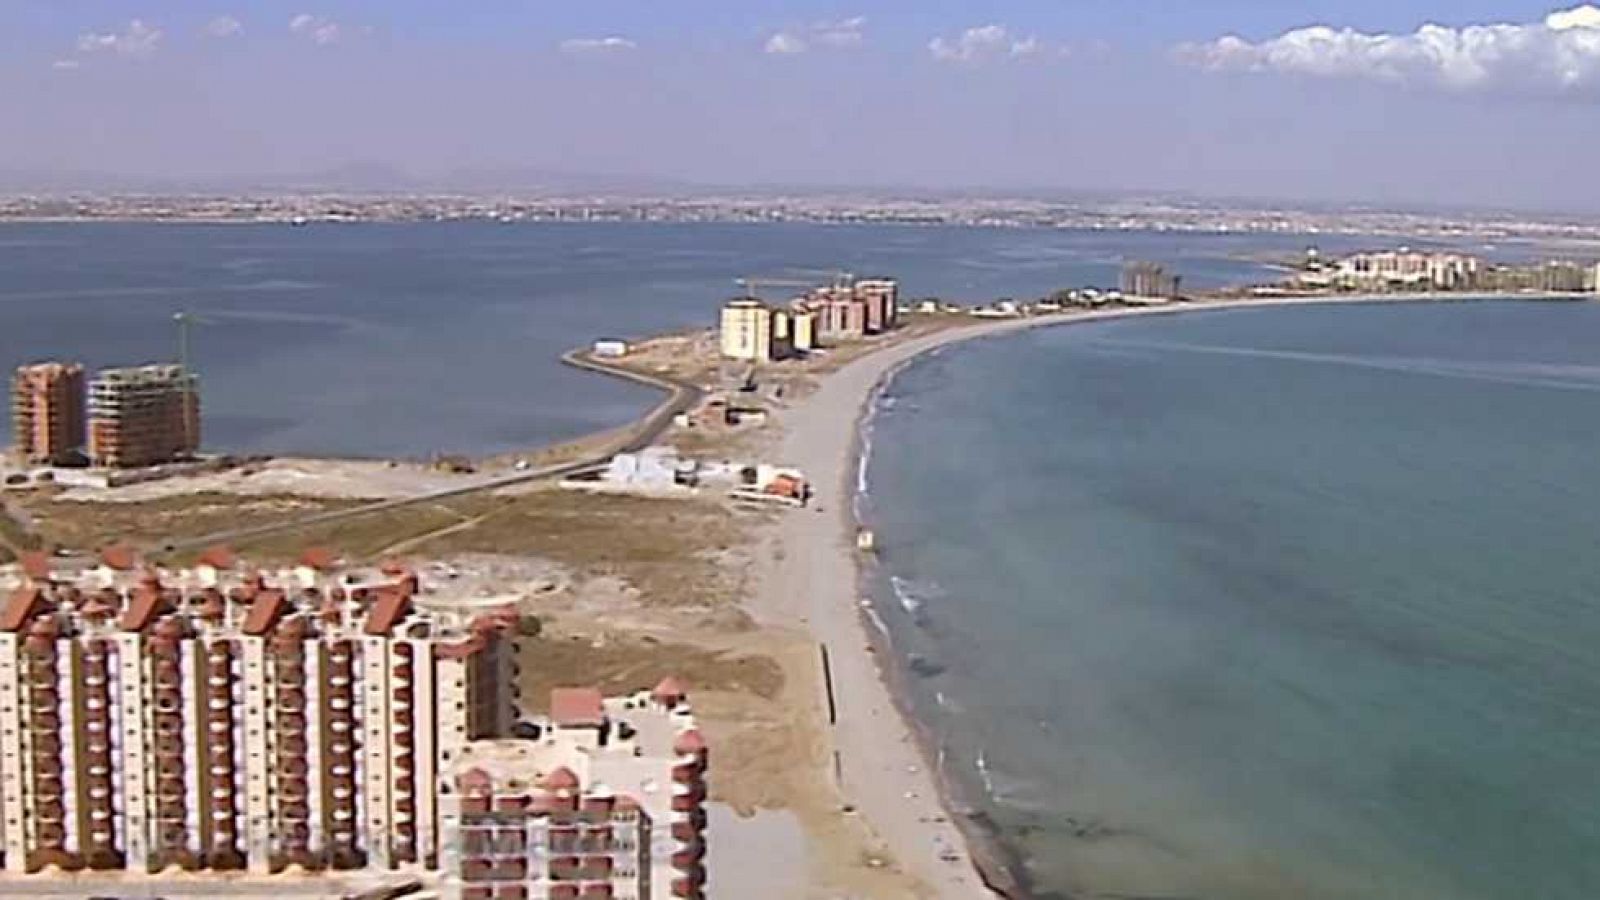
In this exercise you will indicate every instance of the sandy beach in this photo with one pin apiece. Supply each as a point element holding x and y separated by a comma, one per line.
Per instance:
<point>880,767</point>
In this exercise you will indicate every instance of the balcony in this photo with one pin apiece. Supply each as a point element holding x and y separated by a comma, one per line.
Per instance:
<point>565,868</point>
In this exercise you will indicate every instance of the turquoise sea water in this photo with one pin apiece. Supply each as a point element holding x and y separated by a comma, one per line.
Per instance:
<point>1275,603</point>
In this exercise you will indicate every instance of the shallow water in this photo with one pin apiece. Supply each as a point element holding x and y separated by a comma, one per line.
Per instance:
<point>1261,604</point>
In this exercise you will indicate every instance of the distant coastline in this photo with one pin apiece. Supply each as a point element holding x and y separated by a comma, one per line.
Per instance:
<point>913,208</point>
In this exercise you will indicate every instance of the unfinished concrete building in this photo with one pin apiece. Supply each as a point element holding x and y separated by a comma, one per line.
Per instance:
<point>143,416</point>
<point>47,413</point>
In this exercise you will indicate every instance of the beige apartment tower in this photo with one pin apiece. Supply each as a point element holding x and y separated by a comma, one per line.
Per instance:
<point>747,331</point>
<point>143,416</point>
<point>47,413</point>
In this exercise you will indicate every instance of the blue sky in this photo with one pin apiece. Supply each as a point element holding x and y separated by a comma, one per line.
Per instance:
<point>1490,104</point>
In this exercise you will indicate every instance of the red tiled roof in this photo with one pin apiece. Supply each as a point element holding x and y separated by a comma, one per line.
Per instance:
<point>142,608</point>
<point>267,608</point>
<point>691,741</point>
<point>386,613</point>
<point>562,779</point>
<point>319,558</point>
<point>24,602</point>
<point>670,690</point>
<point>474,780</point>
<point>36,565</point>
<point>119,556</point>
<point>577,707</point>
<point>462,649</point>
<point>219,557</point>
<point>497,620</point>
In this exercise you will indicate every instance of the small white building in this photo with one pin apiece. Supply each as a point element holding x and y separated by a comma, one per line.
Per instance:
<point>610,348</point>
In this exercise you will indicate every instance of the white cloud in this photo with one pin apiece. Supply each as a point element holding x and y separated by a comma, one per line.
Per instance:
<point>1560,54</point>
<point>784,43</point>
<point>138,40</point>
<point>317,29</point>
<point>65,64</point>
<point>224,26</point>
<point>609,44</point>
<point>839,34</point>
<point>1028,46</point>
<point>982,43</point>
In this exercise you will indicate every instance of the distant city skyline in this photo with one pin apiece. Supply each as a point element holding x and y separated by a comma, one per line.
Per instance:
<point>1467,103</point>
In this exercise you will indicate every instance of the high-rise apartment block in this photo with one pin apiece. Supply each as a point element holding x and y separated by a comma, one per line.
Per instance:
<point>214,719</point>
<point>322,719</point>
<point>882,296</point>
<point>47,413</point>
<point>143,416</point>
<point>747,330</point>
<point>1150,280</point>
<point>843,311</point>
<point>1406,269</point>
<point>852,309</point>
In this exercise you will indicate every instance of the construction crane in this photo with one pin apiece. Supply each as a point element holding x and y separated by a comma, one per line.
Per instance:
<point>186,321</point>
<point>841,279</point>
<point>752,284</point>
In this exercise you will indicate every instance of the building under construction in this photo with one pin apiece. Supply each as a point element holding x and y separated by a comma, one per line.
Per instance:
<point>143,416</point>
<point>47,414</point>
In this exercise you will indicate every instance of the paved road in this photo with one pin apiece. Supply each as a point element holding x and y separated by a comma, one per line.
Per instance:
<point>682,396</point>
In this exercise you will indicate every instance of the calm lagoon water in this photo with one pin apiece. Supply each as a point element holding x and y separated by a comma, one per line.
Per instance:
<point>407,340</point>
<point>1262,604</point>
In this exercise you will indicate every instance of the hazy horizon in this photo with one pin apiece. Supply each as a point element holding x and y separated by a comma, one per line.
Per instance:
<point>1467,104</point>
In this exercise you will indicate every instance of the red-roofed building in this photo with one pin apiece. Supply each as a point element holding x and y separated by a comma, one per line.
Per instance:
<point>562,779</point>
<point>638,778</point>
<point>669,692</point>
<point>283,721</point>
<point>36,565</point>
<point>25,602</point>
<point>320,558</point>
<point>219,557</point>
<point>120,557</point>
<point>391,607</point>
<point>572,707</point>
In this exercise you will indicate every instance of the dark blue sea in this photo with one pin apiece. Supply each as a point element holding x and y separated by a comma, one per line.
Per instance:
<point>408,340</point>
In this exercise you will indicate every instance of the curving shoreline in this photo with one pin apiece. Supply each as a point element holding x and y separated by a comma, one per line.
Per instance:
<point>884,760</point>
